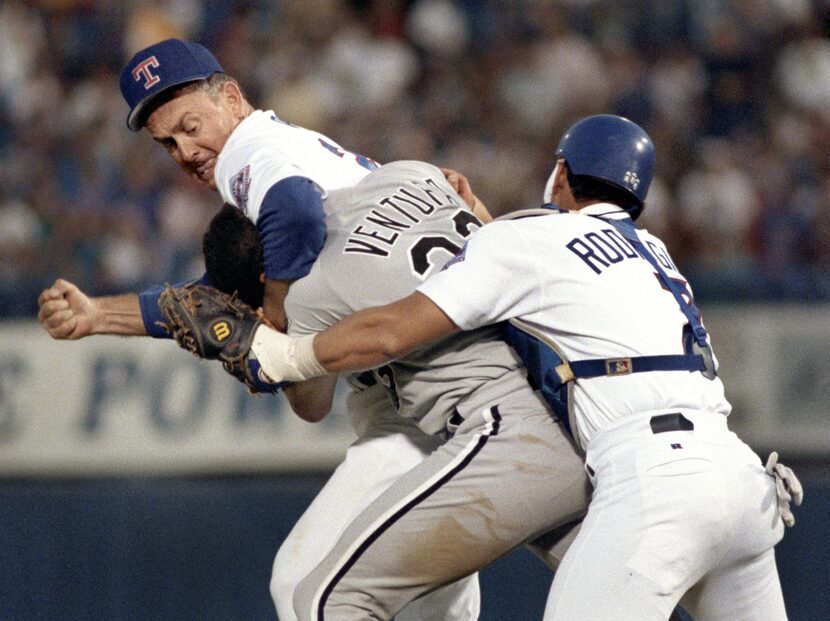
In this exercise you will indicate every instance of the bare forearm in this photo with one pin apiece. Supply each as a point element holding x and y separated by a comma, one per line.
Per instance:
<point>67,313</point>
<point>361,341</point>
<point>461,185</point>
<point>273,303</point>
<point>120,314</point>
<point>377,335</point>
<point>311,400</point>
<point>480,211</point>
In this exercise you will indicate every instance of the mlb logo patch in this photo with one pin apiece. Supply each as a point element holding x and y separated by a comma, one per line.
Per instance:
<point>240,184</point>
<point>618,366</point>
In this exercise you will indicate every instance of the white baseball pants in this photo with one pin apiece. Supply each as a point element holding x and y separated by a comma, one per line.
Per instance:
<point>676,515</point>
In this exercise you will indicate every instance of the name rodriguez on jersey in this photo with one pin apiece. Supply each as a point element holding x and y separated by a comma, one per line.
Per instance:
<point>599,250</point>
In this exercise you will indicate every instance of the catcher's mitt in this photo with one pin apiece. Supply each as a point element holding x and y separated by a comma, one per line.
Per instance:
<point>215,326</point>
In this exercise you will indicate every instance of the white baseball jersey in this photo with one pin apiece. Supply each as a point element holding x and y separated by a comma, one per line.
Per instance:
<point>263,150</point>
<point>682,510</point>
<point>556,272</point>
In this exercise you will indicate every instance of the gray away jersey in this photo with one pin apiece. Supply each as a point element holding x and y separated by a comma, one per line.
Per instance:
<point>385,235</point>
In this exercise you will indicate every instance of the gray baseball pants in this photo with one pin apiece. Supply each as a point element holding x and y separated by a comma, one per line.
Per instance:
<point>507,476</point>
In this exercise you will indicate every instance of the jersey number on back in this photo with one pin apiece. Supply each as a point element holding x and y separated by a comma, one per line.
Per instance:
<point>464,223</point>
<point>420,252</point>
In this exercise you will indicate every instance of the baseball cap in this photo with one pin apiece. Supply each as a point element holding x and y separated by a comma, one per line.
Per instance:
<point>160,67</point>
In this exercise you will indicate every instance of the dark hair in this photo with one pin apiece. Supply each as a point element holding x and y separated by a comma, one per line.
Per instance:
<point>234,256</point>
<point>587,188</point>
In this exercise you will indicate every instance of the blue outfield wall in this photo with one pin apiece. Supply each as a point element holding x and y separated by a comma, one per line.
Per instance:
<point>139,549</point>
<point>122,493</point>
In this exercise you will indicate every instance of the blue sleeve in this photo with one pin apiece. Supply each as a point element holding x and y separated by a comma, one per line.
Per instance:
<point>148,301</point>
<point>292,224</point>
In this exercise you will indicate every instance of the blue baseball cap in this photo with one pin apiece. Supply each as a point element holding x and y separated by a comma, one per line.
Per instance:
<point>160,67</point>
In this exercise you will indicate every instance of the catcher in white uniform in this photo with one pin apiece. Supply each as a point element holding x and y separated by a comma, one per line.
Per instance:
<point>682,510</point>
<point>278,174</point>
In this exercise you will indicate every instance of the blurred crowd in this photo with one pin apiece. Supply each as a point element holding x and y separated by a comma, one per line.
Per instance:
<point>735,93</point>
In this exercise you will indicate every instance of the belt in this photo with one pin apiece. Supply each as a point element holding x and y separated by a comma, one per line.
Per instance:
<point>670,422</point>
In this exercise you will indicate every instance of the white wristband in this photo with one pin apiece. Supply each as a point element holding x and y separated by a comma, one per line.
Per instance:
<point>284,358</point>
<point>301,351</point>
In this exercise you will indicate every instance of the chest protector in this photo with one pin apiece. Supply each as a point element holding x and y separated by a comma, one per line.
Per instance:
<point>552,374</point>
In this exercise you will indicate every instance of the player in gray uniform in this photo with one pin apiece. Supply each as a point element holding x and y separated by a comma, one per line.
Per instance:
<point>384,237</point>
<point>278,174</point>
<point>386,445</point>
<point>506,474</point>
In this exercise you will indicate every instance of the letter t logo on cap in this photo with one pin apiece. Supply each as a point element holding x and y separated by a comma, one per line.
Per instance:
<point>143,69</point>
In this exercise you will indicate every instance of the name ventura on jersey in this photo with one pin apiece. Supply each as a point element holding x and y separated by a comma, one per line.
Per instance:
<point>380,228</point>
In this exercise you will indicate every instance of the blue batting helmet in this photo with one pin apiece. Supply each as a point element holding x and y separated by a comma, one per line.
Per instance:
<point>612,149</point>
